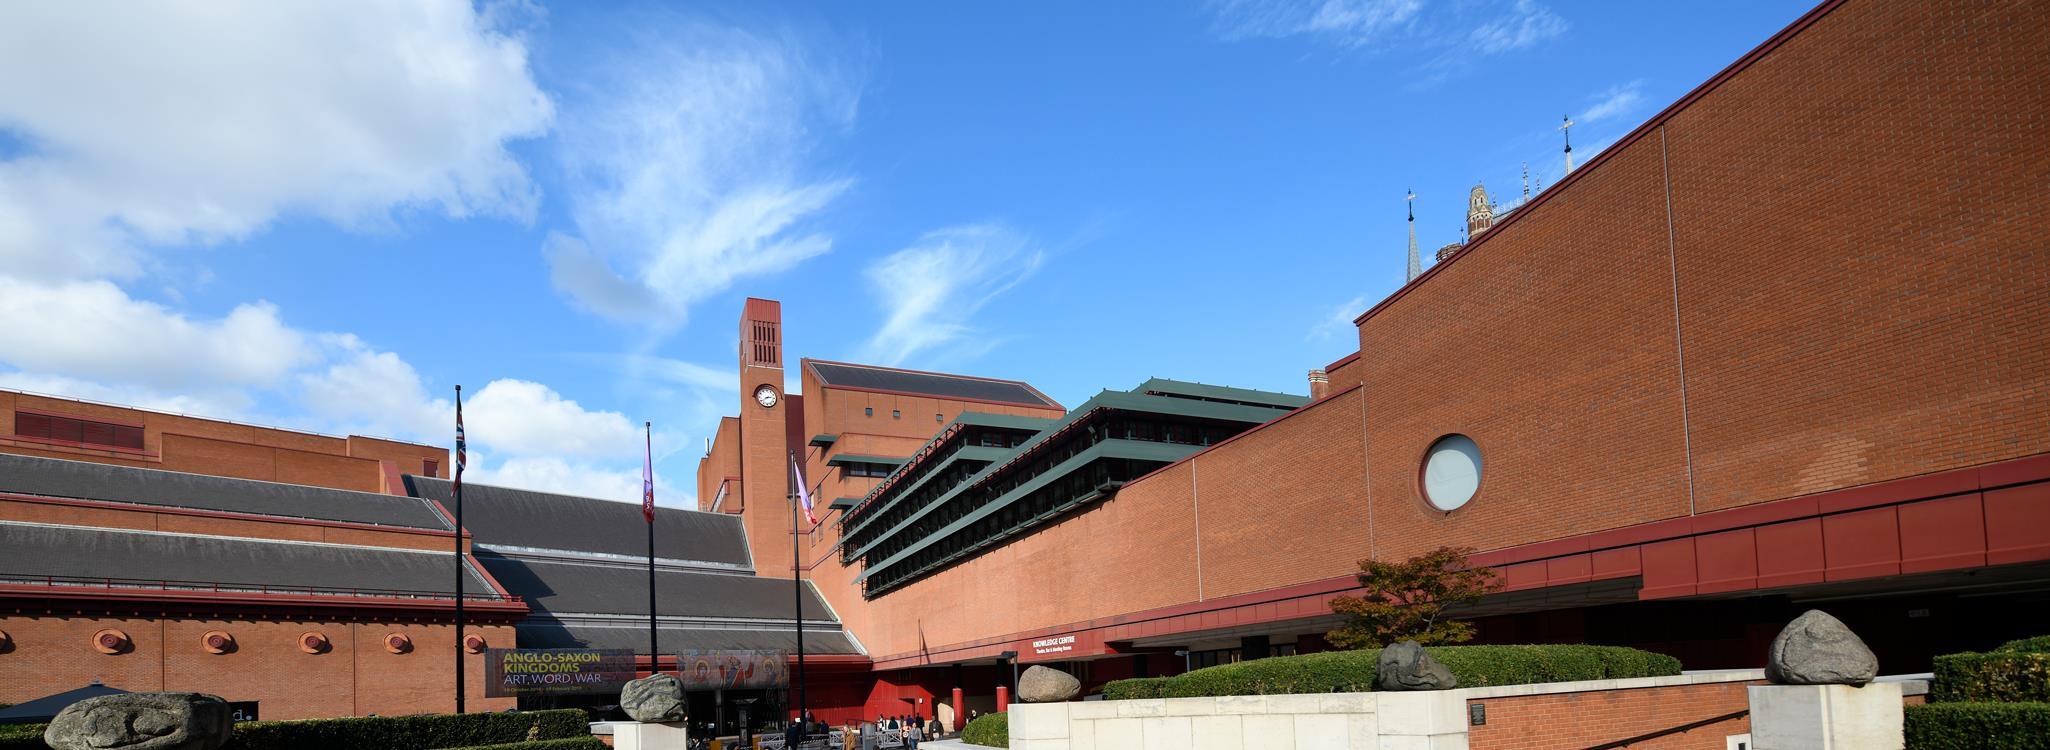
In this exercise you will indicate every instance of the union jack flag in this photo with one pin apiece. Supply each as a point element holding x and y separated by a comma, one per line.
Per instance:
<point>462,446</point>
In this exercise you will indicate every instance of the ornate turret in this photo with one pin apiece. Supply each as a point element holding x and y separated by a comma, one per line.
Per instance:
<point>1480,214</point>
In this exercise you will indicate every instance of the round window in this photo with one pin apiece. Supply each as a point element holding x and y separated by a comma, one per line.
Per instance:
<point>1452,472</point>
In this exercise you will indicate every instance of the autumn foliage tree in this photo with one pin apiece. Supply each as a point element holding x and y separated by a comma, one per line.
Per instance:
<point>1406,601</point>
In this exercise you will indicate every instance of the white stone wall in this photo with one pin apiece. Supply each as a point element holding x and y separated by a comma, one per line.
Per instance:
<point>1335,721</point>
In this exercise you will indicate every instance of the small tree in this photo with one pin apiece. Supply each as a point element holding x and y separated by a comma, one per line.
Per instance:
<point>1406,601</point>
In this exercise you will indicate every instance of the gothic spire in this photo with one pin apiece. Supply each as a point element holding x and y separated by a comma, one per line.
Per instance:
<point>1416,264</point>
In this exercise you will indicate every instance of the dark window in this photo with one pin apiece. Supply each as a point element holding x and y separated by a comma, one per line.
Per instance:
<point>868,411</point>
<point>78,431</point>
<point>939,417</point>
<point>896,414</point>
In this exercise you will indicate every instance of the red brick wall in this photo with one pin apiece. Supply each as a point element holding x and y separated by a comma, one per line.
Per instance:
<point>1570,721</point>
<point>357,676</point>
<point>203,446</point>
<point>1844,290</point>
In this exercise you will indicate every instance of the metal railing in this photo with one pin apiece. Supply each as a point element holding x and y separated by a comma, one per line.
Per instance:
<point>143,584</point>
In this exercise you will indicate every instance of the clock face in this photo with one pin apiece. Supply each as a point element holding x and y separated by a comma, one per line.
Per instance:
<point>766,396</point>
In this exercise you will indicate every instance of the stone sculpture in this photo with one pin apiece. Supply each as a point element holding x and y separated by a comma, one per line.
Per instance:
<point>1047,685</point>
<point>1406,666</point>
<point>656,699</point>
<point>1816,649</point>
<point>142,721</point>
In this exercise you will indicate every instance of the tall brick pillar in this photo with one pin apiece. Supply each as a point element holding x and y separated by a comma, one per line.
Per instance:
<point>764,448</point>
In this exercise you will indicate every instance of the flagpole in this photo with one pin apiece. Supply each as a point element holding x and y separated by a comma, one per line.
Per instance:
<point>648,508</point>
<point>459,549</point>
<point>797,585</point>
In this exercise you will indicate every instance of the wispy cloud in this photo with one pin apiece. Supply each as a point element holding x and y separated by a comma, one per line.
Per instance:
<point>1458,32</point>
<point>933,287</point>
<point>1347,23</point>
<point>1522,25</point>
<point>1339,320</point>
<point>1620,99</point>
<point>688,170</point>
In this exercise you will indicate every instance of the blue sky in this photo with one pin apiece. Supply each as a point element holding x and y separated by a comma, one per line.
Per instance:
<point>325,216</point>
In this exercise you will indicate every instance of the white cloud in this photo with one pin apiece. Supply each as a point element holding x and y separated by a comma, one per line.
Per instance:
<point>525,419</point>
<point>1521,26</point>
<point>1349,23</point>
<point>932,287</point>
<point>183,123</point>
<point>365,390</point>
<point>1339,320</point>
<point>1459,30</point>
<point>552,474</point>
<point>213,403</point>
<point>687,174</point>
<point>94,330</point>
<point>1620,99</point>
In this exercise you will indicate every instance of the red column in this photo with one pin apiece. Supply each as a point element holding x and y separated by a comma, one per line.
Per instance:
<point>960,711</point>
<point>1003,699</point>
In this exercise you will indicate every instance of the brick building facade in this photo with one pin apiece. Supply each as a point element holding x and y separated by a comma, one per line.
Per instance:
<point>1782,346</point>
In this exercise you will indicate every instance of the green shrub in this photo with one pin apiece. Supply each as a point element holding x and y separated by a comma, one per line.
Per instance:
<point>1978,726</point>
<point>424,732</point>
<point>22,737</point>
<point>1353,671</point>
<point>1136,687</point>
<point>586,742</point>
<point>2037,645</point>
<point>993,730</point>
<point>2000,676</point>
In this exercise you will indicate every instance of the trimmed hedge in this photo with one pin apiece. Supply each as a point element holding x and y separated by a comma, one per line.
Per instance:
<point>1978,726</point>
<point>424,732</point>
<point>993,730</point>
<point>22,737</point>
<point>1353,671</point>
<point>586,742</point>
<point>2037,645</point>
<point>1137,687</point>
<point>2000,676</point>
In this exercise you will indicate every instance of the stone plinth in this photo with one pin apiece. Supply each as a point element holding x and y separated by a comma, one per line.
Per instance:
<point>637,735</point>
<point>1826,717</point>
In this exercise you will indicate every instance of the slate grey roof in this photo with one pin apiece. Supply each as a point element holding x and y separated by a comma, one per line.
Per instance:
<point>30,552</point>
<point>502,516</point>
<point>575,588</point>
<point>545,633</point>
<point>928,384</point>
<point>54,477</point>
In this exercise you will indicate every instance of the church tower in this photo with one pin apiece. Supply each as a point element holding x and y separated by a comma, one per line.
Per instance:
<point>1480,214</point>
<point>764,443</point>
<point>1416,262</point>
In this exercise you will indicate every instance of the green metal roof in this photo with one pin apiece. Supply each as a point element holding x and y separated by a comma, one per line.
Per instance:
<point>968,418</point>
<point>822,441</point>
<point>856,458</point>
<point>1117,448</point>
<point>1222,393</point>
<point>844,503</point>
<point>984,453</point>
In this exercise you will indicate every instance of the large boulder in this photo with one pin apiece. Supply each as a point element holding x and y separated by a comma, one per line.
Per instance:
<point>657,699</point>
<point>1406,666</point>
<point>142,721</point>
<point>1047,685</point>
<point>1816,649</point>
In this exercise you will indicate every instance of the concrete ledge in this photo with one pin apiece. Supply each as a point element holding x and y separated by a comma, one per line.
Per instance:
<point>1628,683</point>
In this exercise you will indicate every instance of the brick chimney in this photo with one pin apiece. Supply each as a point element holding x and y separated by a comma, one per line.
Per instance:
<point>1320,384</point>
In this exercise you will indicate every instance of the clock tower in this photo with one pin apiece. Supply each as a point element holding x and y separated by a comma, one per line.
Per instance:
<point>764,463</point>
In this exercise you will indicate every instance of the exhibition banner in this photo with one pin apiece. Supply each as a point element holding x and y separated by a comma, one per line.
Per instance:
<point>510,672</point>
<point>729,670</point>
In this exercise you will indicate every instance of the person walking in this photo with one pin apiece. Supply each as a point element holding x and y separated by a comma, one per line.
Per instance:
<point>793,733</point>
<point>912,734</point>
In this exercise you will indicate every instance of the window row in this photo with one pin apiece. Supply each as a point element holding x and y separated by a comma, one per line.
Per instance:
<point>78,431</point>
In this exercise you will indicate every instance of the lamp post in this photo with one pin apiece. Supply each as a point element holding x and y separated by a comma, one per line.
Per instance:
<point>1186,665</point>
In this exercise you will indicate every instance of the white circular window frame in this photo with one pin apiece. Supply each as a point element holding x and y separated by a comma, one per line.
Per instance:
<point>1451,473</point>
